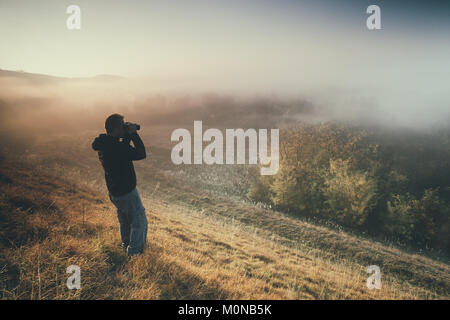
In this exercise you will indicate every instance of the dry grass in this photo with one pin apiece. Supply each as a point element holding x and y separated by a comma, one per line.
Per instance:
<point>201,251</point>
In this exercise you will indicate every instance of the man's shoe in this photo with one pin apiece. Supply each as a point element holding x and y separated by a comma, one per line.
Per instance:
<point>132,252</point>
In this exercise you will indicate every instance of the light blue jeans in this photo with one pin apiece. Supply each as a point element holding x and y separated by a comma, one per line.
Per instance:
<point>132,220</point>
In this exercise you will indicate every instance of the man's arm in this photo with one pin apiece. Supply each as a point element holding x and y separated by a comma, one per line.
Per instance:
<point>138,151</point>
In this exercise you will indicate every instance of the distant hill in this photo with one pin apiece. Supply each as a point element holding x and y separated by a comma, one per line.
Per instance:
<point>38,78</point>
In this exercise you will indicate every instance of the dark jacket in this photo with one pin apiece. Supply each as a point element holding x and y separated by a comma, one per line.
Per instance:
<point>116,157</point>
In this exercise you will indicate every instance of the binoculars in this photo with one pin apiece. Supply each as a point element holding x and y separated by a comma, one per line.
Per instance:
<point>126,125</point>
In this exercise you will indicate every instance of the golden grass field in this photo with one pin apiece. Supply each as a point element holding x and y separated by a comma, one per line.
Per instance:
<point>203,243</point>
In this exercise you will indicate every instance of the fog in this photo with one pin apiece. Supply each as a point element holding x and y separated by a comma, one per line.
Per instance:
<point>32,105</point>
<point>233,63</point>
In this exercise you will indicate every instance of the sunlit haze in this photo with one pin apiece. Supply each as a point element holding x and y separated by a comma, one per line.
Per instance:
<point>319,50</point>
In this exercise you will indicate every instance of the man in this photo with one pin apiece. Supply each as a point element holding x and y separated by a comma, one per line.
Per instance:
<point>116,156</point>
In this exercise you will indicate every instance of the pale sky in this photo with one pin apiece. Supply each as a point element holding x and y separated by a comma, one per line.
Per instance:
<point>262,43</point>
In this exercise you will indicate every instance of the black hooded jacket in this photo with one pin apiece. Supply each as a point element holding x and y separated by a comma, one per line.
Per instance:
<point>116,157</point>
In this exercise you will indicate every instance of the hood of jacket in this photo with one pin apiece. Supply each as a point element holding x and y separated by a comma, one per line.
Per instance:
<point>103,142</point>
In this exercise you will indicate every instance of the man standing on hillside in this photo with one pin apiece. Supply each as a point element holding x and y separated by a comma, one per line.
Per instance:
<point>116,157</point>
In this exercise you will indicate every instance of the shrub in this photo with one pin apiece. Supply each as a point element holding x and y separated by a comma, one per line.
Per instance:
<point>423,221</point>
<point>350,195</point>
<point>389,184</point>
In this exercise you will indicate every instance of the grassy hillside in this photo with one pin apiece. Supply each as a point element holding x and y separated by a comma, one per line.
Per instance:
<point>200,247</point>
<point>206,239</point>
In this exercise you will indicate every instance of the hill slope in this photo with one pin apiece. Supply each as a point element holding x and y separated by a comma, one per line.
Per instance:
<point>199,247</point>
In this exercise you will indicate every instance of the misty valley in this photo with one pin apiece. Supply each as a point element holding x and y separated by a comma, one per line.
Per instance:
<point>376,193</point>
